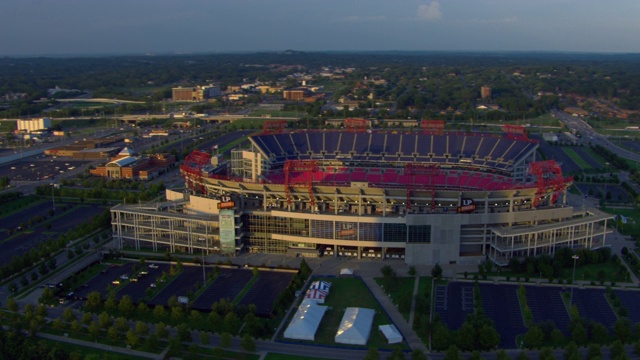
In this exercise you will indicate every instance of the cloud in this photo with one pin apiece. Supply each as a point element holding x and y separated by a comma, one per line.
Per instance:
<point>429,12</point>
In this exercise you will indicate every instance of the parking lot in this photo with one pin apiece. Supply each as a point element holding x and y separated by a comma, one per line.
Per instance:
<point>39,168</point>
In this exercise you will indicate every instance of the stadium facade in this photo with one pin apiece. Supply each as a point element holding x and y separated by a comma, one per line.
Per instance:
<point>426,197</point>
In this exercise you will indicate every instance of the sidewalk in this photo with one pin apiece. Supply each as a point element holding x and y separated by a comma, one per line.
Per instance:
<point>405,329</point>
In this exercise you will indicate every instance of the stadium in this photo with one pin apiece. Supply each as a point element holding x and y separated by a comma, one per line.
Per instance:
<point>425,196</point>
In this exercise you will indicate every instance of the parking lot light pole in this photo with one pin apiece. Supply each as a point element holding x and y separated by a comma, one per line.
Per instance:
<point>573,282</point>
<point>53,200</point>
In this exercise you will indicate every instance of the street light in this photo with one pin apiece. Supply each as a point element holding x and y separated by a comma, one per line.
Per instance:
<point>604,196</point>
<point>53,200</point>
<point>573,282</point>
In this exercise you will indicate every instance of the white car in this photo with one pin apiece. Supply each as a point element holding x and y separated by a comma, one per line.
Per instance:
<point>153,266</point>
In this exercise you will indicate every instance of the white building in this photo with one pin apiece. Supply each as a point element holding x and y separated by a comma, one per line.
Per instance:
<point>34,124</point>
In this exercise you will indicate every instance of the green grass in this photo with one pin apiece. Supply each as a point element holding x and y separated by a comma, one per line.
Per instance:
<point>86,351</point>
<point>401,291</point>
<point>576,158</point>
<point>594,155</point>
<point>350,292</point>
<point>24,202</point>
<point>543,120</point>
<point>633,226</point>
<point>245,290</point>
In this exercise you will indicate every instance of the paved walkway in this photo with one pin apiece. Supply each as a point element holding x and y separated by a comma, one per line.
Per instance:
<point>413,300</point>
<point>97,345</point>
<point>405,329</point>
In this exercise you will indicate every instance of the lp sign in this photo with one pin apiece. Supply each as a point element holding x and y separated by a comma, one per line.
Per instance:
<point>466,206</point>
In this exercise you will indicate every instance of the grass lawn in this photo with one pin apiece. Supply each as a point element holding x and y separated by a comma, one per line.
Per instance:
<point>276,113</point>
<point>590,273</point>
<point>632,227</point>
<point>21,203</point>
<point>594,155</point>
<point>400,293</point>
<point>576,158</point>
<point>350,292</point>
<point>89,351</point>
<point>544,120</point>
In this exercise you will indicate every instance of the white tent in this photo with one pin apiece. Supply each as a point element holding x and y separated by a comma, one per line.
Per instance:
<point>320,285</point>
<point>316,295</point>
<point>346,272</point>
<point>355,326</point>
<point>305,322</point>
<point>391,333</point>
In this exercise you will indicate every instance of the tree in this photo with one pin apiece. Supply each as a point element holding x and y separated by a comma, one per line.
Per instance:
<point>159,312</point>
<point>94,299</point>
<point>599,334</point>
<point>502,355</point>
<point>152,342</point>
<point>142,328</point>
<point>571,352</point>
<point>594,352</point>
<point>225,340</point>
<point>12,305</point>
<point>579,334</point>
<point>86,319</point>
<point>397,354</point>
<point>161,330</point>
<point>419,355</point>
<point>204,338</point>
<point>112,301</point>
<point>184,334</point>
<point>622,330</point>
<point>453,354</point>
<point>68,315</point>
<point>546,354</point>
<point>132,338</point>
<point>247,343</point>
<point>121,324</point>
<point>75,326</point>
<point>94,330</point>
<point>534,337</point>
<point>126,305</point>
<point>436,272</point>
<point>58,324</point>
<point>113,333</point>
<point>372,354</point>
<point>617,350</point>
<point>104,320</point>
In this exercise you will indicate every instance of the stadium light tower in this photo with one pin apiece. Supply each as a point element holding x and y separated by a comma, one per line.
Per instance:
<point>573,282</point>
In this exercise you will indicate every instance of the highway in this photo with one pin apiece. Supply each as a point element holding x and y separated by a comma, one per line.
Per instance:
<point>590,135</point>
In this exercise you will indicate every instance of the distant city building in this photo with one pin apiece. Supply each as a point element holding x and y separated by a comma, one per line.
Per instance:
<point>485,92</point>
<point>34,124</point>
<point>294,94</point>
<point>126,165</point>
<point>195,93</point>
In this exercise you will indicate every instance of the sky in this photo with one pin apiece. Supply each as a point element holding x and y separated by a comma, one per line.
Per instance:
<point>65,27</point>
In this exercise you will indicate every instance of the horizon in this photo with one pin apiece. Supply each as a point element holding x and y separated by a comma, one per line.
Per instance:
<point>68,27</point>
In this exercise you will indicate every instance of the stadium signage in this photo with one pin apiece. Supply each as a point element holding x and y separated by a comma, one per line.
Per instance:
<point>226,203</point>
<point>466,206</point>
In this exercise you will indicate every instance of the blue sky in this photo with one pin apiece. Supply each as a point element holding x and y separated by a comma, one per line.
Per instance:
<point>29,27</point>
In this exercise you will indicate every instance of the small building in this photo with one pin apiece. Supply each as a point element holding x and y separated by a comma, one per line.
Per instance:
<point>195,93</point>
<point>34,124</point>
<point>126,165</point>
<point>297,94</point>
<point>485,92</point>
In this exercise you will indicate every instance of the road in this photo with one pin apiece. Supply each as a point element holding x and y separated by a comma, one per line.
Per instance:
<point>590,135</point>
